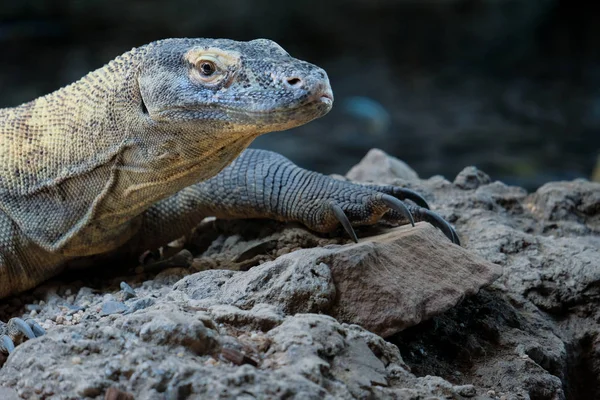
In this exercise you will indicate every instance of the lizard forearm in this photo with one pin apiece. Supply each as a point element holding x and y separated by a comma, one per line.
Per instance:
<point>263,184</point>
<point>258,184</point>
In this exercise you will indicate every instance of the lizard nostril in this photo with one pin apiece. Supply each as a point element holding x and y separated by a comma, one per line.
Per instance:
<point>294,81</point>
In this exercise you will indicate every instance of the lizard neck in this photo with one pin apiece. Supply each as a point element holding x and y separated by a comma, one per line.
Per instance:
<point>56,151</point>
<point>68,132</point>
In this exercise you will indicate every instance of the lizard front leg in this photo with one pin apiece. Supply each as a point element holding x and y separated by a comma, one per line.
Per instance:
<point>263,184</point>
<point>21,267</point>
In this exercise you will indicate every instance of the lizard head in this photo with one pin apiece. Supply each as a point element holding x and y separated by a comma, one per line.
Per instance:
<point>225,86</point>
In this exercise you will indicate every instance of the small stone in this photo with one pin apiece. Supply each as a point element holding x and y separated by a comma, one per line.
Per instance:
<point>113,307</point>
<point>116,394</point>
<point>91,391</point>
<point>74,309</point>
<point>60,319</point>
<point>85,304</point>
<point>32,307</point>
<point>33,313</point>
<point>141,304</point>
<point>128,291</point>
<point>471,178</point>
<point>183,259</point>
<point>237,357</point>
<point>76,360</point>
<point>465,390</point>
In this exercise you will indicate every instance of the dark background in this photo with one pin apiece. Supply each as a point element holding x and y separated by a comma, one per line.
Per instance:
<point>510,86</point>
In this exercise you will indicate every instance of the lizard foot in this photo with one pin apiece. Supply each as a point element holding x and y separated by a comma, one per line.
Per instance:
<point>17,331</point>
<point>355,205</point>
<point>422,211</point>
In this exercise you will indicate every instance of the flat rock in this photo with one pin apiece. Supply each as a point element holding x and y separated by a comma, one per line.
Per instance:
<point>384,283</point>
<point>403,277</point>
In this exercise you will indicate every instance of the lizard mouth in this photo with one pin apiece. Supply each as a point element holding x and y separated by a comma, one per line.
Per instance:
<point>318,104</point>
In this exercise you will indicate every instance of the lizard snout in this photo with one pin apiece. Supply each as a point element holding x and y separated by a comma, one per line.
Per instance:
<point>313,84</point>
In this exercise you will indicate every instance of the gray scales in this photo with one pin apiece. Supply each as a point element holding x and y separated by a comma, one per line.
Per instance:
<point>138,152</point>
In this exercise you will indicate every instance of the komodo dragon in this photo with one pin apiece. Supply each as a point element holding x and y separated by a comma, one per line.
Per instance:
<point>138,152</point>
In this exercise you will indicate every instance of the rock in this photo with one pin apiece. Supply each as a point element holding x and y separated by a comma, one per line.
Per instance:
<point>261,317</point>
<point>471,178</point>
<point>140,304</point>
<point>568,206</point>
<point>116,394</point>
<point>128,292</point>
<point>377,166</point>
<point>172,328</point>
<point>416,272</point>
<point>113,307</point>
<point>293,284</point>
<point>317,346</point>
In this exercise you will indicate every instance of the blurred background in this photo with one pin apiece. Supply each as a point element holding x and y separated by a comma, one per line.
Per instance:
<point>510,86</point>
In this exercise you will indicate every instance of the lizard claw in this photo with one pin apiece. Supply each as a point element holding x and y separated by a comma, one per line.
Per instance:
<point>16,331</point>
<point>6,344</point>
<point>436,220</point>
<point>341,216</point>
<point>403,193</point>
<point>18,327</point>
<point>398,206</point>
<point>36,328</point>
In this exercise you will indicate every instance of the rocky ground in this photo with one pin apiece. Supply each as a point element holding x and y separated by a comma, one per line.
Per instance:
<point>256,309</point>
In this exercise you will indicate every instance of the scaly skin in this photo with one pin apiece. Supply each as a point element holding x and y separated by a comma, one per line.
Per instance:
<point>136,153</point>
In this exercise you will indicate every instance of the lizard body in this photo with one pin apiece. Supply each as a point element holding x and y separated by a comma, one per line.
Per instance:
<point>137,152</point>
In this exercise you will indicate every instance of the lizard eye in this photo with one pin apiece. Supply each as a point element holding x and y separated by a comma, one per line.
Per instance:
<point>207,68</point>
<point>210,70</point>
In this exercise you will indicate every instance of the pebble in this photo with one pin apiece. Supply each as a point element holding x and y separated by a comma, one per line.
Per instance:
<point>60,319</point>
<point>85,304</point>
<point>73,309</point>
<point>33,307</point>
<point>76,360</point>
<point>141,304</point>
<point>113,307</point>
<point>77,318</point>
<point>465,390</point>
<point>128,291</point>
